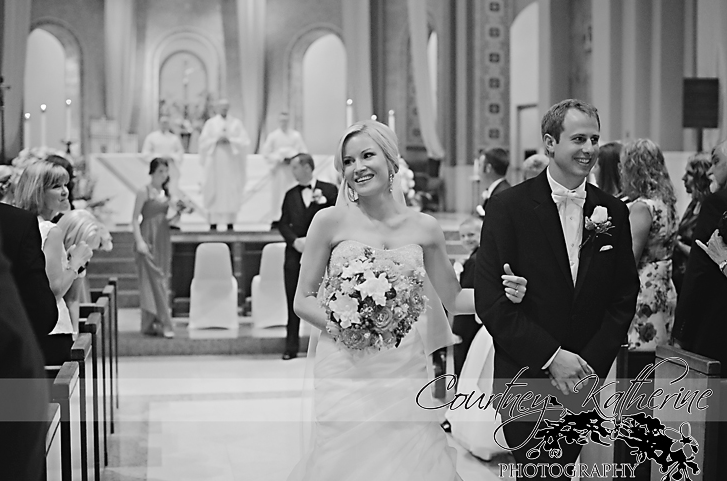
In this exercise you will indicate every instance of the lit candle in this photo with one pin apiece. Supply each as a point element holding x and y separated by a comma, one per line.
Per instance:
<point>42,125</point>
<point>349,112</point>
<point>68,120</point>
<point>26,131</point>
<point>391,120</point>
<point>373,117</point>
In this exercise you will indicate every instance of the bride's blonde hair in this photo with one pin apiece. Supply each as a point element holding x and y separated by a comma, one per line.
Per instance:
<point>380,133</point>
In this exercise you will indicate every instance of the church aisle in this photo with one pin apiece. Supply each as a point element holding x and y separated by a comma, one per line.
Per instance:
<point>216,418</point>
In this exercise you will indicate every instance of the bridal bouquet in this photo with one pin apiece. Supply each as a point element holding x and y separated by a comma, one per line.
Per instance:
<point>372,301</point>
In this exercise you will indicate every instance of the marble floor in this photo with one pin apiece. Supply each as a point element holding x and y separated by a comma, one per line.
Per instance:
<point>217,418</point>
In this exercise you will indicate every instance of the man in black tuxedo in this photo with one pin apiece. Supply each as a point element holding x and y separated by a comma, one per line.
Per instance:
<point>300,204</point>
<point>582,280</point>
<point>21,245</point>
<point>495,165</point>
<point>24,398</point>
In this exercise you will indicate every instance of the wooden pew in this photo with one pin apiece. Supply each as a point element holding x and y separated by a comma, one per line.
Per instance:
<point>101,307</point>
<point>92,325</point>
<point>109,292</point>
<point>65,392</point>
<point>53,444</point>
<point>704,374</point>
<point>81,354</point>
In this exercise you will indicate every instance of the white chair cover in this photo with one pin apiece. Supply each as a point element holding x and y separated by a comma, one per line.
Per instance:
<point>269,306</point>
<point>213,297</point>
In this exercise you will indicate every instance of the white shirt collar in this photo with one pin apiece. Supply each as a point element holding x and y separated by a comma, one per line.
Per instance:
<point>554,185</point>
<point>494,185</point>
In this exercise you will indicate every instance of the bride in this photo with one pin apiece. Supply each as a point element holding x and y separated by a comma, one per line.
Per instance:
<point>368,419</point>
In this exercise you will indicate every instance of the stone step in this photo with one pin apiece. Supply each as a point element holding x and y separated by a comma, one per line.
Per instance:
<point>112,267</point>
<point>128,298</point>
<point>126,282</point>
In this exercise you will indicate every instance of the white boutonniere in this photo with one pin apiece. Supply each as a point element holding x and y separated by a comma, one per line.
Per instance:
<point>598,223</point>
<point>318,197</point>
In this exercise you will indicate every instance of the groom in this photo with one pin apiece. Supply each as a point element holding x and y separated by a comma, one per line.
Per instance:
<point>582,280</point>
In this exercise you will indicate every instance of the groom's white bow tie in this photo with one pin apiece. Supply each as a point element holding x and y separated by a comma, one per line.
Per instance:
<point>578,196</point>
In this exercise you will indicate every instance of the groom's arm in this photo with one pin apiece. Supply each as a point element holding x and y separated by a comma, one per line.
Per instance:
<point>526,342</point>
<point>603,347</point>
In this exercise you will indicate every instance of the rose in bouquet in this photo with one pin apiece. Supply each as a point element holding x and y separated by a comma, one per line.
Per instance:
<point>372,301</point>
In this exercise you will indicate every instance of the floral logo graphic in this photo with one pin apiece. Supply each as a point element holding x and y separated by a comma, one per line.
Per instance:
<point>646,435</point>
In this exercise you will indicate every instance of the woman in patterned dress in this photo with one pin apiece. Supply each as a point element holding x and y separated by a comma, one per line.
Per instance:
<point>650,197</point>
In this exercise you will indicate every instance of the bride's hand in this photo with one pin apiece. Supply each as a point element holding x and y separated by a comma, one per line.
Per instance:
<point>515,286</point>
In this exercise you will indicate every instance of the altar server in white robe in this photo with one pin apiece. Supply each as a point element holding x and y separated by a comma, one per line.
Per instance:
<point>165,143</point>
<point>280,146</point>
<point>223,146</point>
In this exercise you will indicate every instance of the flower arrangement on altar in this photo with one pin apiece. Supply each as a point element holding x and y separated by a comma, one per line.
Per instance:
<point>372,301</point>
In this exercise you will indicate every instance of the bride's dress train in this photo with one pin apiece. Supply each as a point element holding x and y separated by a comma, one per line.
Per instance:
<point>367,423</point>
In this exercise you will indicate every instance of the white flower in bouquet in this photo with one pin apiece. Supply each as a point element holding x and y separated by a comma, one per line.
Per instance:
<point>345,310</point>
<point>374,287</point>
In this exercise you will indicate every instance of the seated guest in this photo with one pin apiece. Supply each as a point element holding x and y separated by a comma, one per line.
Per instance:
<point>24,398</point>
<point>43,191</point>
<point>696,182</point>
<point>606,170</point>
<point>466,326</point>
<point>534,165</point>
<point>80,226</point>
<point>68,165</point>
<point>20,238</point>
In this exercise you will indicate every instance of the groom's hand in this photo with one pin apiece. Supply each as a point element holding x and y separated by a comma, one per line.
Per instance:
<point>567,369</point>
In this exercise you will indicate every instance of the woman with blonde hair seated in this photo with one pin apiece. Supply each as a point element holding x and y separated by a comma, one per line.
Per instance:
<point>43,190</point>
<point>81,226</point>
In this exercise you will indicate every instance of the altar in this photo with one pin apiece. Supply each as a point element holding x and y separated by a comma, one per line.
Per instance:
<point>119,176</point>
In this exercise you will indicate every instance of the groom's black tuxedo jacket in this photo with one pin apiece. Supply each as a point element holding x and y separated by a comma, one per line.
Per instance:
<point>522,227</point>
<point>296,218</point>
<point>21,244</point>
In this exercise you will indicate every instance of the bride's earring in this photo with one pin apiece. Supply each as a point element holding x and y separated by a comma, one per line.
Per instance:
<point>350,193</point>
<point>391,182</point>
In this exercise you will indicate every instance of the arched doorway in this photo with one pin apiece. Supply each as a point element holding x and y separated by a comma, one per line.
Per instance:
<point>184,93</point>
<point>323,93</point>
<point>53,78</point>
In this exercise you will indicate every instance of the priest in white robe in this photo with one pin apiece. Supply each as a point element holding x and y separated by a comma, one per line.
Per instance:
<point>280,146</point>
<point>223,146</point>
<point>165,143</point>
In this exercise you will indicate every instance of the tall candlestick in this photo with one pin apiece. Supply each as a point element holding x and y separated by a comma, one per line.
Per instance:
<point>349,112</point>
<point>391,120</point>
<point>26,131</point>
<point>42,125</point>
<point>68,120</point>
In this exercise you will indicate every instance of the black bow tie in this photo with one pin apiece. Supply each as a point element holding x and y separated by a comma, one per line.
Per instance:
<point>303,187</point>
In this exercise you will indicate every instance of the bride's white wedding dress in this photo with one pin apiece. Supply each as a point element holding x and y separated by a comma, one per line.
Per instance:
<point>367,423</point>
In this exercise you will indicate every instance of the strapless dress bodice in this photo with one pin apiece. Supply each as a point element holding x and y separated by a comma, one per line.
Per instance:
<point>409,256</point>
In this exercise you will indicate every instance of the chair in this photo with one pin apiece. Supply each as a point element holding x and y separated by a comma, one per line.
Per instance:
<point>213,294</point>
<point>269,306</point>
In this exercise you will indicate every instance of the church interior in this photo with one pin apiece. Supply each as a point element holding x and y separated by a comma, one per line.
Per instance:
<point>89,80</point>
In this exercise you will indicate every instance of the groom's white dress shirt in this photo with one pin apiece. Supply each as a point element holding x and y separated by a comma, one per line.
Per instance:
<point>570,209</point>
